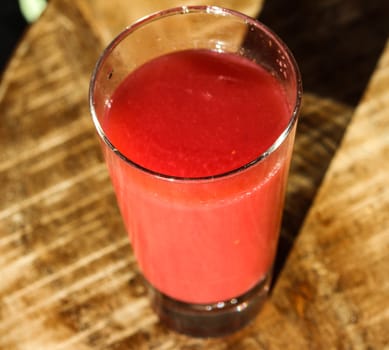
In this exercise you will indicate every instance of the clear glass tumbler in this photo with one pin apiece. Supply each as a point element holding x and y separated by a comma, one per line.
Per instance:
<point>205,245</point>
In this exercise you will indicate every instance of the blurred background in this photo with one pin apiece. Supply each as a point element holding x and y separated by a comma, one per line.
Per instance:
<point>15,15</point>
<point>337,53</point>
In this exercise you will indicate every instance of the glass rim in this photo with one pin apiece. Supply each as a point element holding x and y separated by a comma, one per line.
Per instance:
<point>214,10</point>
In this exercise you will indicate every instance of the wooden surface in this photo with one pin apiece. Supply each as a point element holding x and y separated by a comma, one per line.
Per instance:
<point>68,276</point>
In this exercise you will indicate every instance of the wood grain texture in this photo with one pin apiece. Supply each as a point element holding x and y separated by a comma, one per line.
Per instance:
<point>335,285</point>
<point>68,276</point>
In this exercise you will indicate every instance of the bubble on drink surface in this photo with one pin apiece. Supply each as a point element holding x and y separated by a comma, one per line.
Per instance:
<point>108,103</point>
<point>207,95</point>
<point>227,78</point>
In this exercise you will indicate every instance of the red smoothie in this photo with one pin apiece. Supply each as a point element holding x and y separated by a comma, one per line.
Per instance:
<point>196,114</point>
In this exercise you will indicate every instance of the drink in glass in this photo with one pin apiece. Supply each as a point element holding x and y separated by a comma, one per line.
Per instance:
<point>196,108</point>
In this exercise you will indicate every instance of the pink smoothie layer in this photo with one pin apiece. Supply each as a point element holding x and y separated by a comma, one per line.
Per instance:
<point>194,114</point>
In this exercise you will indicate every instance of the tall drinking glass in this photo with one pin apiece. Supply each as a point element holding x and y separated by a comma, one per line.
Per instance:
<point>205,238</point>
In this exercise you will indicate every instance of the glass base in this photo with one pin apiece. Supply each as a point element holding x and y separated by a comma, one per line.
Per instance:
<point>210,320</point>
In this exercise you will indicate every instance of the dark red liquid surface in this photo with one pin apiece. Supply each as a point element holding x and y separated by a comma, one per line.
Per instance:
<point>196,113</point>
